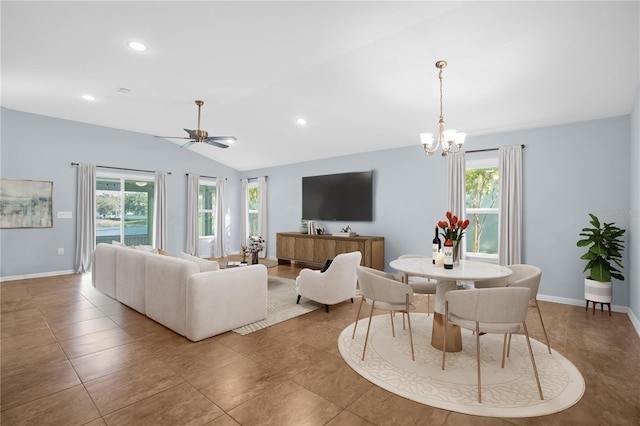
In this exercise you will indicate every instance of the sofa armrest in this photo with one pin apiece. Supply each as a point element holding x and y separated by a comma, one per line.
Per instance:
<point>219,301</point>
<point>103,268</point>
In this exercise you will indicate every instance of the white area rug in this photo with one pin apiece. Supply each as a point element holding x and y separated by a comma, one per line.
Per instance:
<point>281,305</point>
<point>508,392</point>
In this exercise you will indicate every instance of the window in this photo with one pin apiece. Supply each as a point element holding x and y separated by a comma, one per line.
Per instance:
<point>482,207</point>
<point>207,209</point>
<point>124,209</point>
<point>252,193</point>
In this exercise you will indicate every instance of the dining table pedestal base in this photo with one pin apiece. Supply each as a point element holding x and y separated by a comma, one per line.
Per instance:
<point>454,336</point>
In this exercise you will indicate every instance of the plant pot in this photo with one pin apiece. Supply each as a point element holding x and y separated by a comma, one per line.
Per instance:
<point>254,258</point>
<point>597,291</point>
<point>304,230</point>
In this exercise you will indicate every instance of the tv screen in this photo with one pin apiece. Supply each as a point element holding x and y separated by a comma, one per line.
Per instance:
<point>342,196</point>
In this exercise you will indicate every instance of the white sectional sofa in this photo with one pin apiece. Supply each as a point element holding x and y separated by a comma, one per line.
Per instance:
<point>174,293</point>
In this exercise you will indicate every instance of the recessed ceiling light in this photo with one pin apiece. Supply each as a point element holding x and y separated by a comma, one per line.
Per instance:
<point>301,121</point>
<point>88,97</point>
<point>136,45</point>
<point>230,141</point>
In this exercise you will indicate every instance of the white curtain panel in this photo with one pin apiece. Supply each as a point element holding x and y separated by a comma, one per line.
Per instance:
<point>262,211</point>
<point>244,211</point>
<point>510,216</point>
<point>160,212</point>
<point>193,189</point>
<point>219,248</point>
<point>85,217</point>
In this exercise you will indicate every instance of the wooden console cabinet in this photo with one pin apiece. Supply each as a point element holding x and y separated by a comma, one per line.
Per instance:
<point>318,248</point>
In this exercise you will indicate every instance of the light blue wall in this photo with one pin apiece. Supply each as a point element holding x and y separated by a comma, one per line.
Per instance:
<point>42,148</point>
<point>569,170</point>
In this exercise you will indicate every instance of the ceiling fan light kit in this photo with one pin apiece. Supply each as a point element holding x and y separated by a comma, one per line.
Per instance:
<point>202,136</point>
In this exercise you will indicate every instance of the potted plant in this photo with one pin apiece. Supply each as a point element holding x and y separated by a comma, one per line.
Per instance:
<point>603,259</point>
<point>304,227</point>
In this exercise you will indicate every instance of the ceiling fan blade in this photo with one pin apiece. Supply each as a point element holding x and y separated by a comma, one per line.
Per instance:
<point>192,133</point>
<point>214,143</point>
<point>188,144</point>
<point>171,137</point>
<point>228,139</point>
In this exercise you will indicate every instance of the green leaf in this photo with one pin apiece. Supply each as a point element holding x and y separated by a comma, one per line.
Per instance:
<point>600,272</point>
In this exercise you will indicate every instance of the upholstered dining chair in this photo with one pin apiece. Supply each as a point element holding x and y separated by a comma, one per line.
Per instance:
<point>501,310</point>
<point>381,291</point>
<point>337,284</point>
<point>420,285</point>
<point>523,276</point>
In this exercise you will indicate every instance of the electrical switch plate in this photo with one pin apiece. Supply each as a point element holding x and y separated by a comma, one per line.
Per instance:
<point>60,251</point>
<point>65,215</point>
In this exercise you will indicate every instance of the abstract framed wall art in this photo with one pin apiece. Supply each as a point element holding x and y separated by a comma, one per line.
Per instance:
<point>26,203</point>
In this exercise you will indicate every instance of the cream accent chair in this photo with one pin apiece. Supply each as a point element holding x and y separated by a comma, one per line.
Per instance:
<point>420,285</point>
<point>338,283</point>
<point>492,310</point>
<point>523,276</point>
<point>382,291</point>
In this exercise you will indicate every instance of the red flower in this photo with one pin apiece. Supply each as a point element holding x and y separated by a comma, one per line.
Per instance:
<point>454,229</point>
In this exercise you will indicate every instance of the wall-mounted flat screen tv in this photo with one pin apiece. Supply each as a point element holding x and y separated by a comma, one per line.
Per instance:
<point>341,196</point>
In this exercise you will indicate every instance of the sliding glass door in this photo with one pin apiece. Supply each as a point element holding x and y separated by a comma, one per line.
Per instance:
<point>124,210</point>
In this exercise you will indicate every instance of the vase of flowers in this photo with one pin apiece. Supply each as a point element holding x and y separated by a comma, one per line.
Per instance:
<point>255,246</point>
<point>453,229</point>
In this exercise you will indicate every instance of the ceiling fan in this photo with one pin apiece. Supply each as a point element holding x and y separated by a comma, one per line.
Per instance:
<point>201,136</point>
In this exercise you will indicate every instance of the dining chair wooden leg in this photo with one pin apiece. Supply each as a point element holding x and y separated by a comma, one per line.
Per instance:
<point>366,337</point>
<point>357,317</point>
<point>393,330</point>
<point>533,361</point>
<point>544,330</point>
<point>413,357</point>
<point>504,348</point>
<point>478,361</point>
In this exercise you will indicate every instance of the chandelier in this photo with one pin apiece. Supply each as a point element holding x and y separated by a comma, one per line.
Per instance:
<point>450,140</point>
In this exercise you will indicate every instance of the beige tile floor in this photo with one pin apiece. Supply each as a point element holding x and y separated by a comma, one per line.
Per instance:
<point>72,356</point>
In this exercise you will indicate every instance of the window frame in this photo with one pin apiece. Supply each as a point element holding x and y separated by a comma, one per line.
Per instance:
<point>482,163</point>
<point>211,183</point>
<point>253,184</point>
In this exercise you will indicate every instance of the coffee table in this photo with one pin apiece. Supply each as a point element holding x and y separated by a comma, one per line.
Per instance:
<point>466,270</point>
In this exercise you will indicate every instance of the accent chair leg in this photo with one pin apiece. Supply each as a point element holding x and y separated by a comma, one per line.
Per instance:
<point>298,301</point>
<point>352,300</point>
<point>357,317</point>
<point>542,322</point>
<point>533,361</point>
<point>326,308</point>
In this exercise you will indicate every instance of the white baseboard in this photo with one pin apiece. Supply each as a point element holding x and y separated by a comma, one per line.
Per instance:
<point>39,275</point>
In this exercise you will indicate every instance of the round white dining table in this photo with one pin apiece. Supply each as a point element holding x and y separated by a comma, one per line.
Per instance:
<point>466,270</point>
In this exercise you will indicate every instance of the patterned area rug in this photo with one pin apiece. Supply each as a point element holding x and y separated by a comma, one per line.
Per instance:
<point>508,392</point>
<point>281,305</point>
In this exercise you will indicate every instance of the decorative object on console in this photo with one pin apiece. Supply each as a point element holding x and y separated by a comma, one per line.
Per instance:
<point>243,252</point>
<point>304,227</point>
<point>256,245</point>
<point>345,232</point>
<point>605,246</point>
<point>453,229</point>
<point>316,228</point>
<point>446,138</point>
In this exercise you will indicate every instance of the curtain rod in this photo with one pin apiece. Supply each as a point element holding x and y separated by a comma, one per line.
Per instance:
<point>486,150</point>
<point>253,178</point>
<point>122,168</point>
<point>208,177</point>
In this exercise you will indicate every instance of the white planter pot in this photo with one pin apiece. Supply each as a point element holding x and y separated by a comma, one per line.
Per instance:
<point>597,291</point>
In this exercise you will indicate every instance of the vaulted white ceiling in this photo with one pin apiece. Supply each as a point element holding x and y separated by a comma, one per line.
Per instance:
<point>362,73</point>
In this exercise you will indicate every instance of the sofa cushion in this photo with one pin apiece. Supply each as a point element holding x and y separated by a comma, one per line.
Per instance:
<point>203,264</point>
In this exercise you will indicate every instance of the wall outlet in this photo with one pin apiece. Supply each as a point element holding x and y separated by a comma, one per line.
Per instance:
<point>60,251</point>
